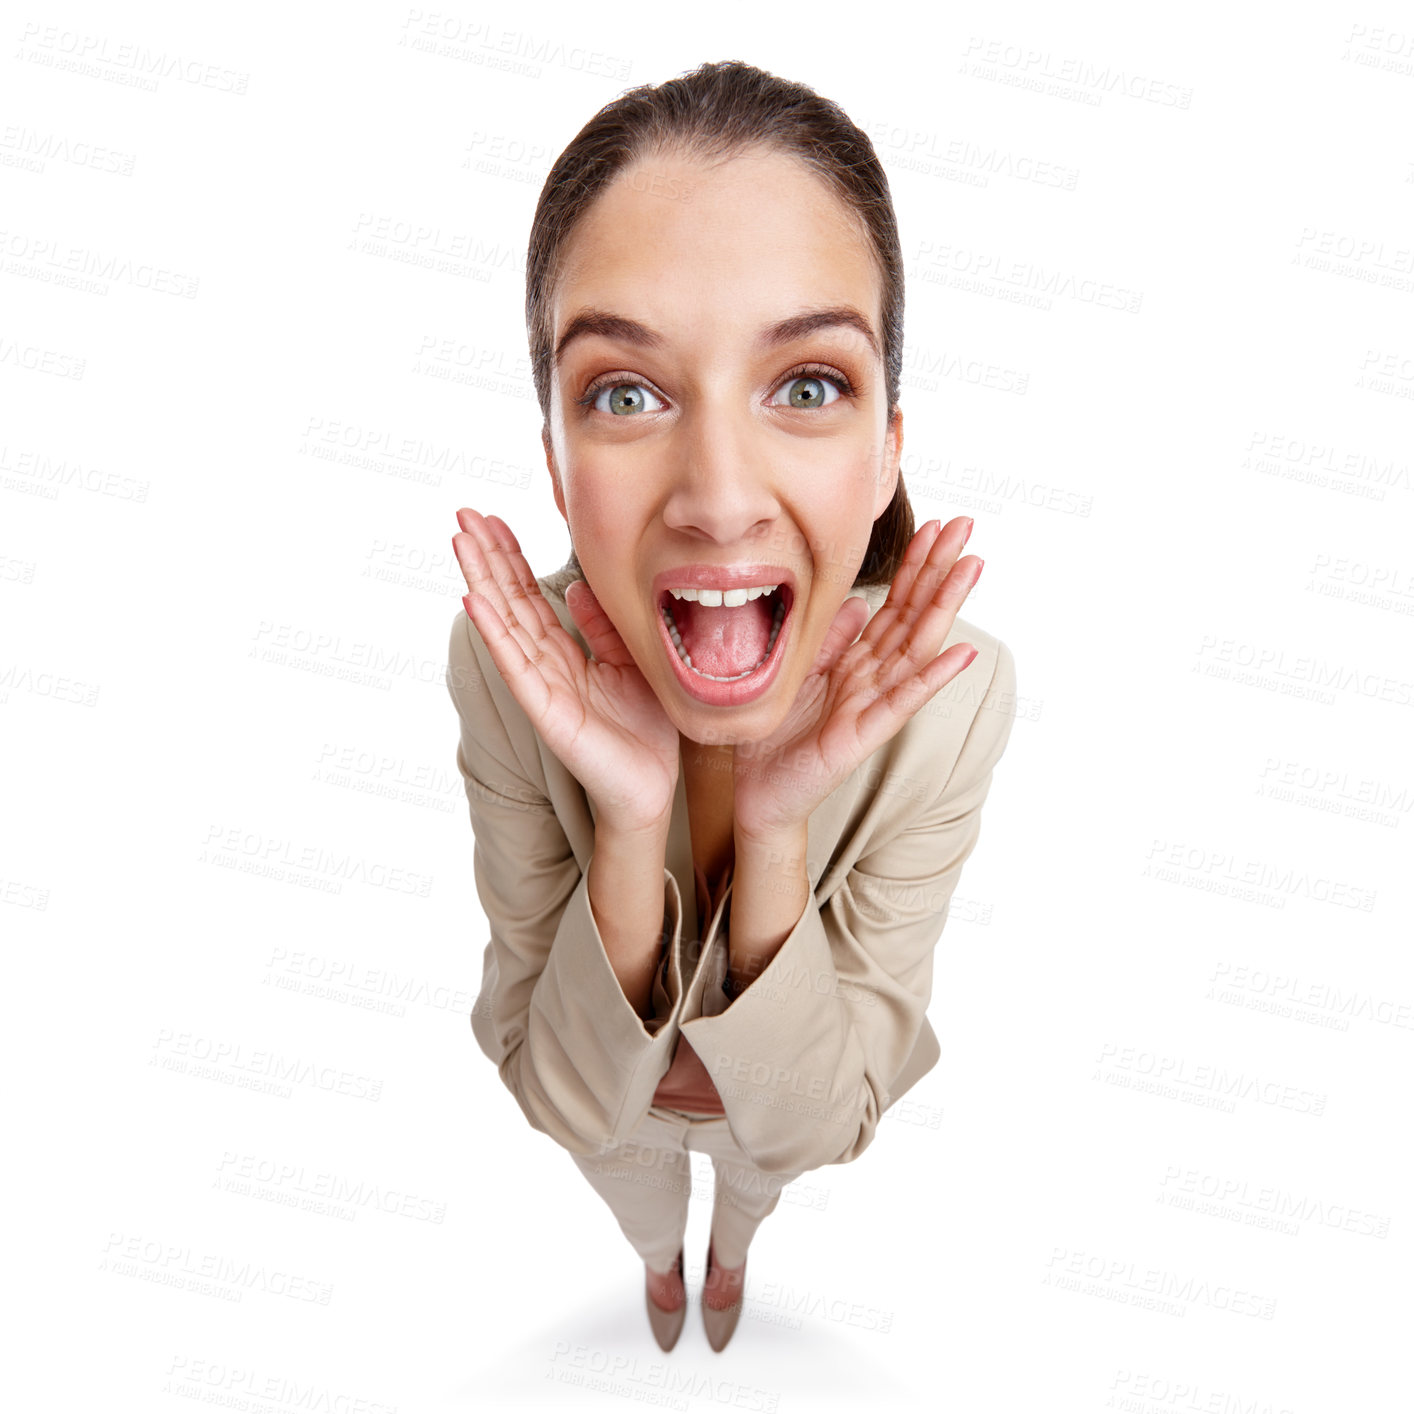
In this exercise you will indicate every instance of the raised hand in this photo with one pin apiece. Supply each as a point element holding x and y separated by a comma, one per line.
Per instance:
<point>599,716</point>
<point>860,692</point>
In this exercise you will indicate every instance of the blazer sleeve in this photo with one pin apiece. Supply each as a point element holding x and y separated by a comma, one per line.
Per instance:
<point>804,1056</point>
<point>580,1061</point>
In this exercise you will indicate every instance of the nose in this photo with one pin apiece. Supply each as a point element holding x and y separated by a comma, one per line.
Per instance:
<point>722,487</point>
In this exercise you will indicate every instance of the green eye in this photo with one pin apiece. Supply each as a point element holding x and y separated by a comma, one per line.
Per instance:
<point>807,391</point>
<point>625,399</point>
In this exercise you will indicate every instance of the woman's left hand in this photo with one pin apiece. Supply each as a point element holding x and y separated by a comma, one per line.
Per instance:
<point>859,692</point>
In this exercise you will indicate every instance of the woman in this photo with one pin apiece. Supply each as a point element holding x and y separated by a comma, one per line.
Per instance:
<point>696,707</point>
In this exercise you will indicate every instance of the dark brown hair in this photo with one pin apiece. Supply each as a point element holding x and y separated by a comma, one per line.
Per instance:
<point>714,112</point>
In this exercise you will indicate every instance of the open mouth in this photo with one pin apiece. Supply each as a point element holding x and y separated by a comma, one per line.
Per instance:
<point>720,642</point>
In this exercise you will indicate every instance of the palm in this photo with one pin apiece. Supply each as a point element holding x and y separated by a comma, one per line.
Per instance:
<point>598,716</point>
<point>861,691</point>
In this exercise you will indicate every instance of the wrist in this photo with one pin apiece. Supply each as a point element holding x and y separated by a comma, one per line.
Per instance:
<point>778,842</point>
<point>633,833</point>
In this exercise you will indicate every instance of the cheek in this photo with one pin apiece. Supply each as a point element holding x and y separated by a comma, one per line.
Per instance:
<point>841,513</point>
<point>604,527</point>
<point>845,470</point>
<point>608,492</point>
<point>589,497</point>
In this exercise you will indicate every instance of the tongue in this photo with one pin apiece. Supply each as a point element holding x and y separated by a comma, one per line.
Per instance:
<point>722,641</point>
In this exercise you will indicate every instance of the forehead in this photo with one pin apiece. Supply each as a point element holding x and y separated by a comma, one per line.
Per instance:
<point>684,244</point>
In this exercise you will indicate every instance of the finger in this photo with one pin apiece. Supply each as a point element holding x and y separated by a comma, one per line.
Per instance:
<point>523,610</point>
<point>520,593</point>
<point>469,546</point>
<point>852,615</point>
<point>913,558</point>
<point>891,709</point>
<point>935,620</point>
<point>474,544</point>
<point>937,565</point>
<point>482,584</point>
<point>924,550</point>
<point>604,640</point>
<point>918,550</point>
<point>471,560</point>
<point>527,684</point>
<point>524,575</point>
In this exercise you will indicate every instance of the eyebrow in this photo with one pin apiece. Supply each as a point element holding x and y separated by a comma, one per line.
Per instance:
<point>786,331</point>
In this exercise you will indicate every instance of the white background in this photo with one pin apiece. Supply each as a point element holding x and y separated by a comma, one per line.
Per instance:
<point>261,335</point>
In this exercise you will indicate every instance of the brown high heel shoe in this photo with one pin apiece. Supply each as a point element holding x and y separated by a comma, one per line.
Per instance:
<point>720,1324</point>
<point>667,1325</point>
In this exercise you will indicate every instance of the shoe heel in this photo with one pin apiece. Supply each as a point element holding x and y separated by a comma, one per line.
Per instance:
<point>719,1325</point>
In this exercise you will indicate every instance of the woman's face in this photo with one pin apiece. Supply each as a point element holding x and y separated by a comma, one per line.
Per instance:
<point>718,422</point>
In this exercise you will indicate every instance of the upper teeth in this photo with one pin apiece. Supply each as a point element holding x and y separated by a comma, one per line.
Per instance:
<point>717,598</point>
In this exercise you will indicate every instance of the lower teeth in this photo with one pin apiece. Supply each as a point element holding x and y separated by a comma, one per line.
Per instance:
<point>686,657</point>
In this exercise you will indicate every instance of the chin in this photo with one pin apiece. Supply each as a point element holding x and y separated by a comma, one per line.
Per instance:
<point>733,726</point>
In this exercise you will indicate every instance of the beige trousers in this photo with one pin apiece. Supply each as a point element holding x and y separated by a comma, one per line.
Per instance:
<point>646,1179</point>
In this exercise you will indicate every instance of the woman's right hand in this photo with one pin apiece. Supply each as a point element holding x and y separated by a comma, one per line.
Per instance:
<point>599,716</point>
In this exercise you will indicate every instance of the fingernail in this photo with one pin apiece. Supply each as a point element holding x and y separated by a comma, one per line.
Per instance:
<point>969,660</point>
<point>968,535</point>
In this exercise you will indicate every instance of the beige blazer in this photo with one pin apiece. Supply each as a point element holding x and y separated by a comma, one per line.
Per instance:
<point>831,1032</point>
